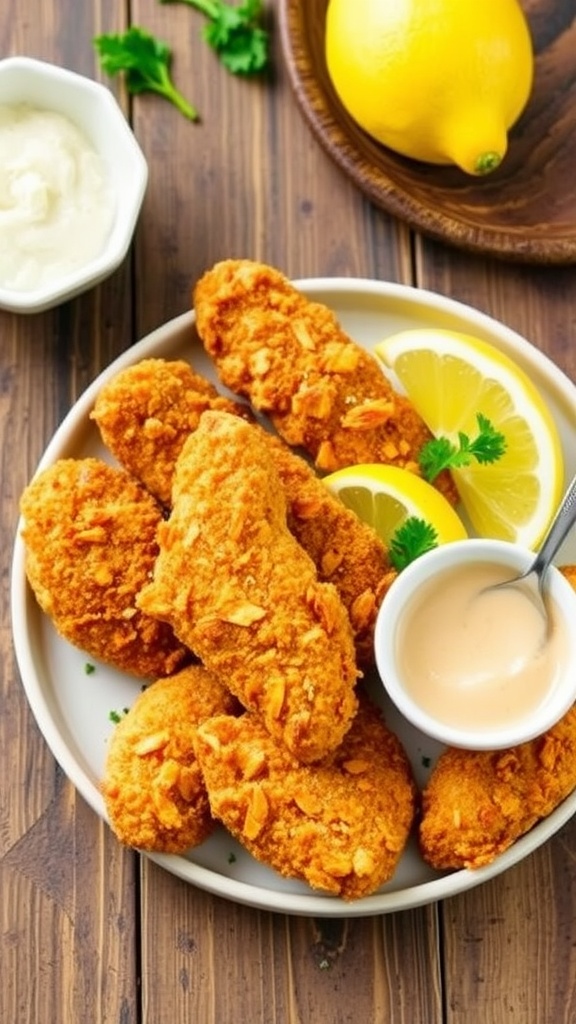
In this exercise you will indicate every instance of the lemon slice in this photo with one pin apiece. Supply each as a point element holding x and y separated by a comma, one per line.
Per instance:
<point>450,378</point>
<point>385,496</point>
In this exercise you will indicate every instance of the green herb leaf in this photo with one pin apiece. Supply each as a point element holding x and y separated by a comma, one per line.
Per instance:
<point>235,33</point>
<point>115,716</point>
<point>89,668</point>
<point>440,453</point>
<point>411,540</point>
<point>145,61</point>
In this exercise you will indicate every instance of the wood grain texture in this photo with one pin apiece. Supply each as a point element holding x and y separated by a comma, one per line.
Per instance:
<point>221,189</point>
<point>516,935</point>
<point>529,909</point>
<point>227,963</point>
<point>525,211</point>
<point>67,891</point>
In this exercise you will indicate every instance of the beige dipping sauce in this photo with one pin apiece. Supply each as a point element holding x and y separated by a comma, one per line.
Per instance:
<point>56,204</point>
<point>478,659</point>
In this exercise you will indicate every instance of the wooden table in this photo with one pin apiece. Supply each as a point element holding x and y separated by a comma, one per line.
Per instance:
<point>90,931</point>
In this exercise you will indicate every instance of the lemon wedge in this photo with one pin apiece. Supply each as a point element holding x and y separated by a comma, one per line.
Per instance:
<point>385,496</point>
<point>450,378</point>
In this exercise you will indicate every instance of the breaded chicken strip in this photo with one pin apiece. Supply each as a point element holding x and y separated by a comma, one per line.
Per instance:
<point>346,552</point>
<point>340,825</point>
<point>90,540</point>
<point>153,787</point>
<point>244,596</point>
<point>477,803</point>
<point>146,413</point>
<point>292,360</point>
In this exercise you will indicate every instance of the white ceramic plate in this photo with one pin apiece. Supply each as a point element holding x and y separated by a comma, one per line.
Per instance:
<point>72,707</point>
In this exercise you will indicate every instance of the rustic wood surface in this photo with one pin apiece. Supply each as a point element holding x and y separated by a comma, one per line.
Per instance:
<point>90,932</point>
<point>523,209</point>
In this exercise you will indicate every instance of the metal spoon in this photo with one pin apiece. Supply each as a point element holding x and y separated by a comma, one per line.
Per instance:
<point>532,580</point>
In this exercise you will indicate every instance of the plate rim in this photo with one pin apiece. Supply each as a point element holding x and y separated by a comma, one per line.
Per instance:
<point>390,195</point>
<point>21,599</point>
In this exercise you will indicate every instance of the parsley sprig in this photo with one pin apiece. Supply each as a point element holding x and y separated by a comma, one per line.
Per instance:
<point>416,536</point>
<point>440,453</point>
<point>235,33</point>
<point>145,61</point>
<point>411,539</point>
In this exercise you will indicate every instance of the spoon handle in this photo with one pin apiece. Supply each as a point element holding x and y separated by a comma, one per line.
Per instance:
<point>561,524</point>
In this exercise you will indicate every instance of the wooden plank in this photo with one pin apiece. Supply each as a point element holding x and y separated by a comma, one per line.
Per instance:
<point>218,962</point>
<point>509,944</point>
<point>538,302</point>
<point>250,181</point>
<point>68,948</point>
<point>67,920</point>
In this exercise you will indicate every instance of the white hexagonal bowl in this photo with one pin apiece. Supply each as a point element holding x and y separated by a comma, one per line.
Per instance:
<point>94,110</point>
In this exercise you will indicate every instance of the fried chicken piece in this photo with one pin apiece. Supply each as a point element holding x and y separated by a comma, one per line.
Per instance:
<point>153,788</point>
<point>346,552</point>
<point>477,802</point>
<point>244,596</point>
<point>292,360</point>
<point>146,412</point>
<point>90,541</point>
<point>340,825</point>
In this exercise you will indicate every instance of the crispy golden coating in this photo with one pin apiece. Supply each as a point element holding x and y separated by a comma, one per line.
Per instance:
<point>153,787</point>
<point>340,825</point>
<point>146,412</point>
<point>346,552</point>
<point>90,539</point>
<point>244,596</point>
<point>477,803</point>
<point>569,571</point>
<point>292,360</point>
<point>145,415</point>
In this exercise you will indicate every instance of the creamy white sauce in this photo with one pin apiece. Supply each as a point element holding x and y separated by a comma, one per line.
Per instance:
<point>56,202</point>
<point>474,660</point>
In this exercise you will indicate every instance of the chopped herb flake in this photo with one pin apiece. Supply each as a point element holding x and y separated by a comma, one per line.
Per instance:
<point>116,716</point>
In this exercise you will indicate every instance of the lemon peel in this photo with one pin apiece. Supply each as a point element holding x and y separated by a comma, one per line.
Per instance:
<point>450,377</point>
<point>385,496</point>
<point>441,81</point>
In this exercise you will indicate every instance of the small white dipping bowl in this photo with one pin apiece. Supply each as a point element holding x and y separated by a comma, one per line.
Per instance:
<point>388,650</point>
<point>94,111</point>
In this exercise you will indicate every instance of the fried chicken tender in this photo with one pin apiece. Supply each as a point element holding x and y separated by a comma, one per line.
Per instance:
<point>292,360</point>
<point>477,803</point>
<point>240,591</point>
<point>153,787</point>
<point>146,413</point>
<point>346,552</point>
<point>340,825</point>
<point>90,541</point>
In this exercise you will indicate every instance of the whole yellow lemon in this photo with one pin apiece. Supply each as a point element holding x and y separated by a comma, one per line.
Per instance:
<point>437,80</point>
